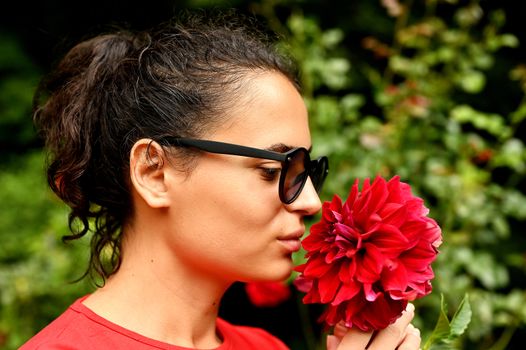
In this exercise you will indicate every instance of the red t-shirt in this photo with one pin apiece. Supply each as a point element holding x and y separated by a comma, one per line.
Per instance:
<point>80,328</point>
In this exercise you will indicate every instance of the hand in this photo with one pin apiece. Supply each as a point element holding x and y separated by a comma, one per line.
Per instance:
<point>401,335</point>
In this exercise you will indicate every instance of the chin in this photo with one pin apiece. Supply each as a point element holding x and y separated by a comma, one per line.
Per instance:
<point>280,273</point>
<point>273,270</point>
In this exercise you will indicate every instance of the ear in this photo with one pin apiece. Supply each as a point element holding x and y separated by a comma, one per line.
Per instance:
<point>148,166</point>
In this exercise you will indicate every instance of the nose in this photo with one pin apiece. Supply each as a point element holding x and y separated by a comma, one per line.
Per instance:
<point>308,202</point>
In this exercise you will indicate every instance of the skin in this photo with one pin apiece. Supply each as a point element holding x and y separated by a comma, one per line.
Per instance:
<point>193,235</point>
<point>401,335</point>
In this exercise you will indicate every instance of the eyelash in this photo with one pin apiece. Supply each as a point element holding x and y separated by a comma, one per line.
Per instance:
<point>270,174</point>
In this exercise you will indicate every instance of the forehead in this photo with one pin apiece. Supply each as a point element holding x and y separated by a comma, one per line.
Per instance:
<point>270,111</point>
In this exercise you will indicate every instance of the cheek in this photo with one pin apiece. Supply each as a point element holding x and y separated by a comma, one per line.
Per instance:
<point>236,191</point>
<point>245,205</point>
<point>228,226</point>
<point>233,208</point>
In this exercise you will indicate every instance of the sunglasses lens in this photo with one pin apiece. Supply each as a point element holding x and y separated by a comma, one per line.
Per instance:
<point>296,175</point>
<point>320,168</point>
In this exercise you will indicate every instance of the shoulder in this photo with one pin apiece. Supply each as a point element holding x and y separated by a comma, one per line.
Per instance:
<point>244,337</point>
<point>63,333</point>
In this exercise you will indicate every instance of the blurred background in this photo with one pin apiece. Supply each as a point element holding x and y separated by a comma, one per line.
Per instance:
<point>431,90</point>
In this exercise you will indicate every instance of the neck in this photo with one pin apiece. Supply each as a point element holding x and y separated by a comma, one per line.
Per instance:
<point>157,296</point>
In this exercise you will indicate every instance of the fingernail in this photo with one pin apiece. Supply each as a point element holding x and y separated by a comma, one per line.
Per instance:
<point>410,307</point>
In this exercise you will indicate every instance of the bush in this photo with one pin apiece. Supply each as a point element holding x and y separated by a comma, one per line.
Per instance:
<point>424,94</point>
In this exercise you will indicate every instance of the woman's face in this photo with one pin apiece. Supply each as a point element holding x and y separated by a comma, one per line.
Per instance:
<point>227,220</point>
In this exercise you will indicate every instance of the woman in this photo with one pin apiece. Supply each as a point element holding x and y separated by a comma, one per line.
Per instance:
<point>185,151</point>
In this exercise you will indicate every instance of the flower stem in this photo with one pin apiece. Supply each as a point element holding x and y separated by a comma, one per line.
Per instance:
<point>306,327</point>
<point>504,339</point>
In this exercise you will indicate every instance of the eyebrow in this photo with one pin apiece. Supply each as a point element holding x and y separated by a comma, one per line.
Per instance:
<point>282,148</point>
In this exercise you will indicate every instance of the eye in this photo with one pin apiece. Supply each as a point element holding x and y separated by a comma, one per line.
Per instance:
<point>269,174</point>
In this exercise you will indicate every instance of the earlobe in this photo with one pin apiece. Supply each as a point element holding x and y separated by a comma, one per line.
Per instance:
<point>147,173</point>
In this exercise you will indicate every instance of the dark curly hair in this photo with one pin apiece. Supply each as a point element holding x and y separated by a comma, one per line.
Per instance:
<point>111,90</point>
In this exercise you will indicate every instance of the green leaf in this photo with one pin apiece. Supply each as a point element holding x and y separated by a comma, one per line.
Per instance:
<point>460,321</point>
<point>519,115</point>
<point>442,327</point>
<point>490,122</point>
<point>472,81</point>
<point>446,332</point>
<point>509,40</point>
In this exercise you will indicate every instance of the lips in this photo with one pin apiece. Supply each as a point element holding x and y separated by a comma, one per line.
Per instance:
<point>292,241</point>
<point>292,245</point>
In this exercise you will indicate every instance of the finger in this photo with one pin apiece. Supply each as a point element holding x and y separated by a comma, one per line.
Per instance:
<point>390,337</point>
<point>340,330</point>
<point>355,339</point>
<point>411,340</point>
<point>332,342</point>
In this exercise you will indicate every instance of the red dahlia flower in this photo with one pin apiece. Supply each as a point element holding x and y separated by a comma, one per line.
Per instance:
<point>369,256</point>
<point>267,294</point>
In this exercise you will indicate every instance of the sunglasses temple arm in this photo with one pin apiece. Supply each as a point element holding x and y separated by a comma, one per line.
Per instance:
<point>228,148</point>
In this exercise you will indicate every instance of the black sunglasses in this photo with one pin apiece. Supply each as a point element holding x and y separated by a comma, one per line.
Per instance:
<point>297,165</point>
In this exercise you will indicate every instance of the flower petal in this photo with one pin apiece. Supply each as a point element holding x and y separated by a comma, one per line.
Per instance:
<point>329,285</point>
<point>316,267</point>
<point>369,264</point>
<point>395,279</point>
<point>346,292</point>
<point>388,239</point>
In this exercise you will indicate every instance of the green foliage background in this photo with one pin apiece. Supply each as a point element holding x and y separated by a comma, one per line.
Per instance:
<point>425,90</point>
